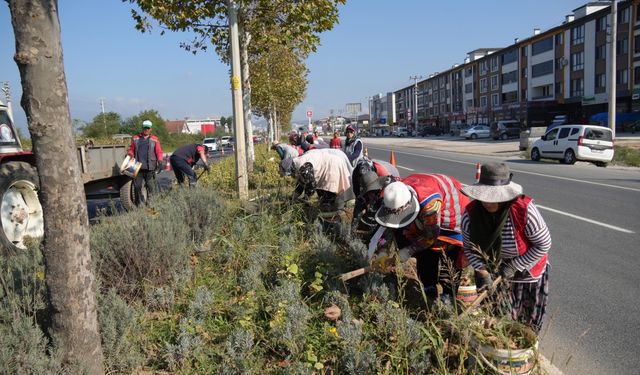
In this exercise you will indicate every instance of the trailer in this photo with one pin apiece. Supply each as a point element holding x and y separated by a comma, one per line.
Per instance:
<point>20,209</point>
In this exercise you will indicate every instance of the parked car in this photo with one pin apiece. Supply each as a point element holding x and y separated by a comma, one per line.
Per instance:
<point>505,129</point>
<point>211,143</point>
<point>476,131</point>
<point>528,136</point>
<point>569,143</point>
<point>430,130</point>
<point>557,121</point>
<point>224,141</point>
<point>402,132</point>
<point>456,129</point>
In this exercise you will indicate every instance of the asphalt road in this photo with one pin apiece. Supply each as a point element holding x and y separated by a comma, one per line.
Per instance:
<point>593,318</point>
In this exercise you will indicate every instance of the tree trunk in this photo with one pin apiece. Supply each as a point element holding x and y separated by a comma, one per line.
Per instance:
<point>275,124</point>
<point>270,133</point>
<point>66,226</point>
<point>246,98</point>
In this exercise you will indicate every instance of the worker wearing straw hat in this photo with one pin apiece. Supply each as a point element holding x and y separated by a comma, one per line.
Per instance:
<point>513,241</point>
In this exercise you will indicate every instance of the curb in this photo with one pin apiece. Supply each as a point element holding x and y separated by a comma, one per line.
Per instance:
<point>548,367</point>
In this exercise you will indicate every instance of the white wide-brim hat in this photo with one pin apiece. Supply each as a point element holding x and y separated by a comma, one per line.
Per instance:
<point>399,206</point>
<point>495,185</point>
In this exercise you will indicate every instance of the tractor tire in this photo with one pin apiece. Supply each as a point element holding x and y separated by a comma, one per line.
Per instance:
<point>127,197</point>
<point>20,209</point>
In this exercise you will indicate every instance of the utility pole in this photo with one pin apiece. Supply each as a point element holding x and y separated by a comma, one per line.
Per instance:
<point>104,121</point>
<point>238,114</point>
<point>612,68</point>
<point>415,101</point>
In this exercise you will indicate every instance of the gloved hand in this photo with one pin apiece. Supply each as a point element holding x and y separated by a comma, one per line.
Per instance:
<point>484,281</point>
<point>507,269</point>
<point>206,167</point>
<point>159,167</point>
<point>405,253</point>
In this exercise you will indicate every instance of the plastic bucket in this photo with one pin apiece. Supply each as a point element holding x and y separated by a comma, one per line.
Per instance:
<point>507,362</point>
<point>467,294</point>
<point>130,167</point>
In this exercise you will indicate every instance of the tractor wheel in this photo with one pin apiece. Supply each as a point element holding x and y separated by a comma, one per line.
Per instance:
<point>20,210</point>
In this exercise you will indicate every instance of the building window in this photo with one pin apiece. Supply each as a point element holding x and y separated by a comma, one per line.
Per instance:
<point>559,63</point>
<point>636,44</point>
<point>623,15</point>
<point>601,80</point>
<point>494,64</point>
<point>483,101</point>
<point>468,72</point>
<point>622,77</point>
<point>524,51</point>
<point>577,35</point>
<point>495,100</point>
<point>577,87</point>
<point>483,67</point>
<point>601,23</point>
<point>443,108</point>
<point>559,39</point>
<point>637,12</point>
<point>468,88</point>
<point>601,52</point>
<point>542,46</point>
<point>483,85</point>
<point>622,47</point>
<point>509,57</point>
<point>494,82</point>
<point>542,69</point>
<point>559,88</point>
<point>636,75</point>
<point>577,61</point>
<point>524,72</point>
<point>510,97</point>
<point>510,77</point>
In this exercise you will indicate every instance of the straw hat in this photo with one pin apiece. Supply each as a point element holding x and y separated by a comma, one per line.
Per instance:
<point>495,185</point>
<point>399,206</point>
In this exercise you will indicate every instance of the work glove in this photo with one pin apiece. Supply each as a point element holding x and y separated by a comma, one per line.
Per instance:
<point>484,281</point>
<point>507,270</point>
<point>206,167</point>
<point>159,167</point>
<point>405,253</point>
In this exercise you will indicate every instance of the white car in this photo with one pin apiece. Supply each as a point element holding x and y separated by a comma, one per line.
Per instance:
<point>476,131</point>
<point>225,141</point>
<point>211,143</point>
<point>569,143</point>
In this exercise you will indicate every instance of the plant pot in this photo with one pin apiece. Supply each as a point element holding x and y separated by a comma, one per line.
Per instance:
<point>467,294</point>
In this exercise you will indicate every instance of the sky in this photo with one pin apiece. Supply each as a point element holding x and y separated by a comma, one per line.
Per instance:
<point>375,48</point>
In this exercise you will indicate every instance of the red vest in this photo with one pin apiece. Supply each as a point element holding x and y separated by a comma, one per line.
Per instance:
<point>518,216</point>
<point>445,188</point>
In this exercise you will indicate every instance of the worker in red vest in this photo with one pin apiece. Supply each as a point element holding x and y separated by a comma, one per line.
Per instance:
<point>424,211</point>
<point>335,141</point>
<point>145,148</point>
<point>509,230</point>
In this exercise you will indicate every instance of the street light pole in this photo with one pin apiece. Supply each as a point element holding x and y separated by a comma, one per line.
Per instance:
<point>415,101</point>
<point>612,68</point>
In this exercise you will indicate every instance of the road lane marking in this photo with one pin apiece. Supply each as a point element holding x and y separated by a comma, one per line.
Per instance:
<point>517,170</point>
<point>585,219</point>
<point>409,169</point>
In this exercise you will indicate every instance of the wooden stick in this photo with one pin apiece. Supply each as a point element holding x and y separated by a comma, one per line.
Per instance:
<point>355,273</point>
<point>481,297</point>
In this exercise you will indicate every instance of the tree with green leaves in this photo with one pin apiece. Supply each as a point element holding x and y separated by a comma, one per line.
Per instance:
<point>265,23</point>
<point>103,125</point>
<point>133,125</point>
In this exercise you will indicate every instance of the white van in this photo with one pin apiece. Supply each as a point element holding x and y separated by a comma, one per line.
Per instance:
<point>569,143</point>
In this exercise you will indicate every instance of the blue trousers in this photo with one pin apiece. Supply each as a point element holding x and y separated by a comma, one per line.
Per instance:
<point>181,168</point>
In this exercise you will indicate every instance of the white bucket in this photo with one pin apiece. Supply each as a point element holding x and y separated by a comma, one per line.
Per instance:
<point>130,167</point>
<point>507,362</point>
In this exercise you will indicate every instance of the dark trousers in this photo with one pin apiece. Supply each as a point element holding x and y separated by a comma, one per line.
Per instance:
<point>428,265</point>
<point>181,168</point>
<point>149,178</point>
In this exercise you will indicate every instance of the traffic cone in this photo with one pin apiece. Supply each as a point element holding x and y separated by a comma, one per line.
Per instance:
<point>167,167</point>
<point>477,172</point>
<point>392,159</point>
<point>222,150</point>
<point>366,152</point>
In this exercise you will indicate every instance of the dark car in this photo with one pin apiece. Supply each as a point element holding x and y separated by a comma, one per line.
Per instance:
<point>430,130</point>
<point>506,129</point>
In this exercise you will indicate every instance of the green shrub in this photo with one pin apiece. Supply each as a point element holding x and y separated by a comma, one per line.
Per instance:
<point>628,156</point>
<point>120,331</point>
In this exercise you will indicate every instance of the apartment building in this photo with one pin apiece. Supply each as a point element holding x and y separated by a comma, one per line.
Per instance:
<point>563,70</point>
